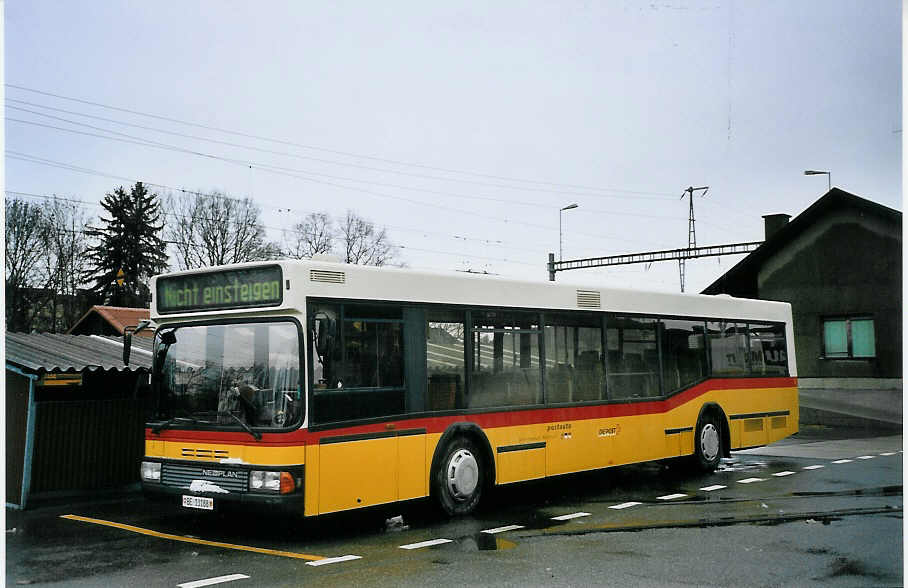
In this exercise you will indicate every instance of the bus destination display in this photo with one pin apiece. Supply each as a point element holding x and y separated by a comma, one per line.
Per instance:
<point>240,288</point>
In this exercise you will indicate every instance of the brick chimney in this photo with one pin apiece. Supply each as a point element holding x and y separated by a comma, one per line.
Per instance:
<point>773,223</point>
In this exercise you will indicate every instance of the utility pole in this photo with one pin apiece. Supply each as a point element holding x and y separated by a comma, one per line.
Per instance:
<point>691,227</point>
<point>692,251</point>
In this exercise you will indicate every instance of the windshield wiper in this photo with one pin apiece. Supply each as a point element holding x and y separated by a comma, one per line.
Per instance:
<point>247,428</point>
<point>156,428</point>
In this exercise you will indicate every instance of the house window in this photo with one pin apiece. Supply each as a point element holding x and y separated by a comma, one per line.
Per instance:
<point>848,338</point>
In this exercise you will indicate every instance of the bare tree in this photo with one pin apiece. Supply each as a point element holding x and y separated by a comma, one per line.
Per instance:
<point>45,259</point>
<point>216,229</point>
<point>312,236</point>
<point>26,236</point>
<point>362,243</point>
<point>65,262</point>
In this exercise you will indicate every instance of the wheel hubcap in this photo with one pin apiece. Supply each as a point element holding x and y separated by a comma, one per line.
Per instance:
<point>463,474</point>
<point>709,441</point>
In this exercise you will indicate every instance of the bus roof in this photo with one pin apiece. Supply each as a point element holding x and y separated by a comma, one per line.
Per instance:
<point>324,279</point>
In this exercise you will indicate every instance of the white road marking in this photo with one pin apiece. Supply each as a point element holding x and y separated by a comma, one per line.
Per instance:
<point>624,505</point>
<point>567,517</point>
<point>751,480</point>
<point>780,474</point>
<point>888,453</point>
<point>671,497</point>
<point>332,560</point>
<point>713,487</point>
<point>843,461</point>
<point>429,543</point>
<point>814,467</point>
<point>866,456</point>
<point>212,581</point>
<point>502,529</point>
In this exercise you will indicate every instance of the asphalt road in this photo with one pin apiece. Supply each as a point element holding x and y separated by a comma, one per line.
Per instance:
<point>794,513</point>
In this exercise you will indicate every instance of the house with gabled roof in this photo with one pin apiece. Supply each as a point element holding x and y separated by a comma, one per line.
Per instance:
<point>839,264</point>
<point>110,320</point>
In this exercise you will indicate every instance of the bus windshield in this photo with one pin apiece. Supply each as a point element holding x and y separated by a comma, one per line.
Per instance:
<point>242,374</point>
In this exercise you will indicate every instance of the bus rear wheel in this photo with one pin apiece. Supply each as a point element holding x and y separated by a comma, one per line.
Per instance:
<point>458,480</point>
<point>708,443</point>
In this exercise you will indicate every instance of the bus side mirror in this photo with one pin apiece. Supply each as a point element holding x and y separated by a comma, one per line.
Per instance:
<point>127,343</point>
<point>127,337</point>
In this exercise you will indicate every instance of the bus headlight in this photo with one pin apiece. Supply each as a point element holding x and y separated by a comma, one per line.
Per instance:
<point>282,482</point>
<point>151,471</point>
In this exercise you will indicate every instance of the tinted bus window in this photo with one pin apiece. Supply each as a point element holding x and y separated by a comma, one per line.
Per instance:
<point>768,350</point>
<point>505,359</point>
<point>357,361</point>
<point>633,358</point>
<point>573,351</point>
<point>727,348</point>
<point>683,353</point>
<point>445,367</point>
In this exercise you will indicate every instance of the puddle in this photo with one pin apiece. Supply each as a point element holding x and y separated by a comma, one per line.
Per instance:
<point>484,542</point>
<point>735,465</point>
<point>817,520</point>
<point>880,491</point>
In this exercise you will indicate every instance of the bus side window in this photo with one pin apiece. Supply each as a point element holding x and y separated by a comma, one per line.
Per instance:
<point>633,359</point>
<point>505,368</point>
<point>768,350</point>
<point>573,358</point>
<point>683,353</point>
<point>728,348</point>
<point>324,344</point>
<point>445,366</point>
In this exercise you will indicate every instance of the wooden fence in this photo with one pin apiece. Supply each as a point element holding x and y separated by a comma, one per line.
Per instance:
<point>87,444</point>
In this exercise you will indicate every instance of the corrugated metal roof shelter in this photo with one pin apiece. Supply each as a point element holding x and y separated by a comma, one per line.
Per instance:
<point>110,320</point>
<point>74,413</point>
<point>53,352</point>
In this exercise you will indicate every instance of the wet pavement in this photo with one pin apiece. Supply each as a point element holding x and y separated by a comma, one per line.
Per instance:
<point>820,508</point>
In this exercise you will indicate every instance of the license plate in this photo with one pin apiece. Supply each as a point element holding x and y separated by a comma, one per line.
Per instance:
<point>198,502</point>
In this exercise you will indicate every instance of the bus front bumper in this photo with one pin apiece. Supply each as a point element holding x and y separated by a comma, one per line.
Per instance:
<point>215,501</point>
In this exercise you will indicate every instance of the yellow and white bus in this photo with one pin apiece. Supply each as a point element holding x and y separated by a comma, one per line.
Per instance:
<point>323,387</point>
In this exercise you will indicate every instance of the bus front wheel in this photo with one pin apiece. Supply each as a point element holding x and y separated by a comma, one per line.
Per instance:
<point>458,480</point>
<point>708,443</point>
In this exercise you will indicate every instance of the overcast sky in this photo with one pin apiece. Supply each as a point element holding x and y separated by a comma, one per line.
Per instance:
<point>464,127</point>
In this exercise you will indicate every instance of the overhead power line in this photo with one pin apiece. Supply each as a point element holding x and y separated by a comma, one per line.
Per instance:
<point>507,201</point>
<point>279,171</point>
<point>175,215</point>
<point>151,142</point>
<point>347,153</point>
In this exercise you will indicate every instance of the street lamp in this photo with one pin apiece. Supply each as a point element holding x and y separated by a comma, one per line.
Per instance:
<point>560,240</point>
<point>813,172</point>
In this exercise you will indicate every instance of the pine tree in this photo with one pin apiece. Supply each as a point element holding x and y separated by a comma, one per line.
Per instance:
<point>127,241</point>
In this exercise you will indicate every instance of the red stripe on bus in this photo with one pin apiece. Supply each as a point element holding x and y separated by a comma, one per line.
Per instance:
<point>488,420</point>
